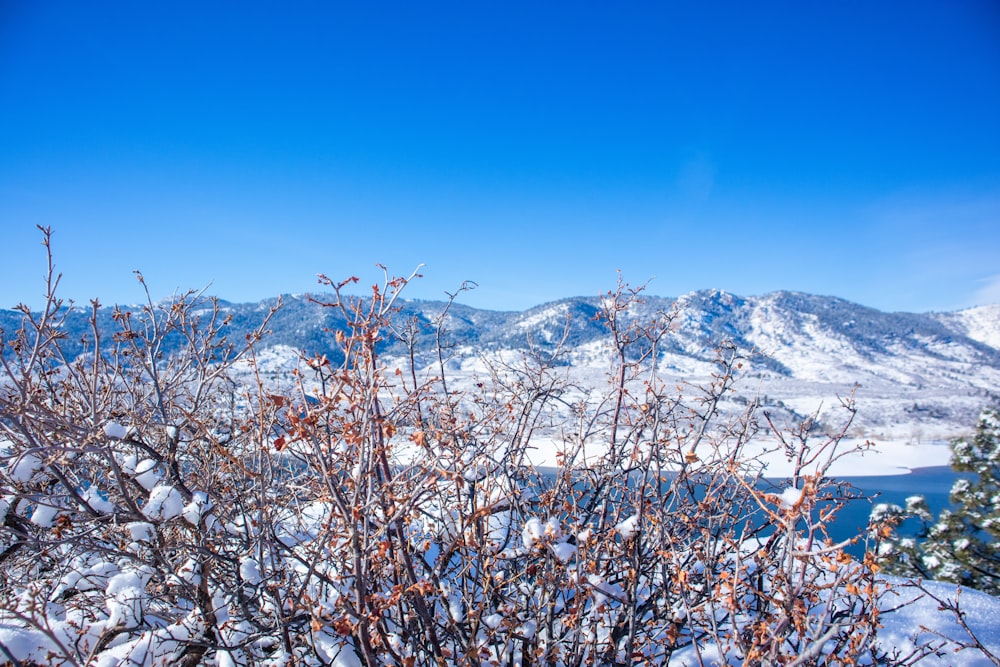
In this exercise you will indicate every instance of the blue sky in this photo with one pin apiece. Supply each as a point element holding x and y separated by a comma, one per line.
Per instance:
<point>850,149</point>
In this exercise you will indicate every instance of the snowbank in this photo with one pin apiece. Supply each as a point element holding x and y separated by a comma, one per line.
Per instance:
<point>892,457</point>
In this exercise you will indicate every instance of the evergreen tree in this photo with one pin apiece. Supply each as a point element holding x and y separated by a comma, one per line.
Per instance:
<point>962,546</point>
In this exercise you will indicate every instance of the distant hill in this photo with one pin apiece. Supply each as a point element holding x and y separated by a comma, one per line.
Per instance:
<point>922,376</point>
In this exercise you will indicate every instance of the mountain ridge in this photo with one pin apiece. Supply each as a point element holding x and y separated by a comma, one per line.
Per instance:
<point>926,374</point>
<point>710,314</point>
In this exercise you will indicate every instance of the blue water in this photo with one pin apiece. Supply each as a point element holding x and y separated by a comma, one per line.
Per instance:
<point>934,484</point>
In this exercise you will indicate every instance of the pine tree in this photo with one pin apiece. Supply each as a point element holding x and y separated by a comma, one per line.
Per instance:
<point>963,545</point>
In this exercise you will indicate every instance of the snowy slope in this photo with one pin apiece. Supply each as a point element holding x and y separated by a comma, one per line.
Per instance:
<point>922,377</point>
<point>981,323</point>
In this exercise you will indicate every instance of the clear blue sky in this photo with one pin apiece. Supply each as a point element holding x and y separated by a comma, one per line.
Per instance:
<point>850,149</point>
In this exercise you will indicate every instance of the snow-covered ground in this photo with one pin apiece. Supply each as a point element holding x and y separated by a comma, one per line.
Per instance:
<point>903,443</point>
<point>916,620</point>
<point>893,457</point>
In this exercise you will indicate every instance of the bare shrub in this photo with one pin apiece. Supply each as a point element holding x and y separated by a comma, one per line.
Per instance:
<point>159,510</point>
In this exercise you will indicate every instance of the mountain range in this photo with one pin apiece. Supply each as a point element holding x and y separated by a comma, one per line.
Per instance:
<point>922,376</point>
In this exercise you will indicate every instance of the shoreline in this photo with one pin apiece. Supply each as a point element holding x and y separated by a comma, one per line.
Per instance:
<point>903,472</point>
<point>887,458</point>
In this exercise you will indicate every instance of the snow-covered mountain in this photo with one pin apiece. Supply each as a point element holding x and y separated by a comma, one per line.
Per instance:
<point>922,376</point>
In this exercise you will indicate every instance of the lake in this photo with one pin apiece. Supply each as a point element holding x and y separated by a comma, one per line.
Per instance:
<point>934,484</point>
